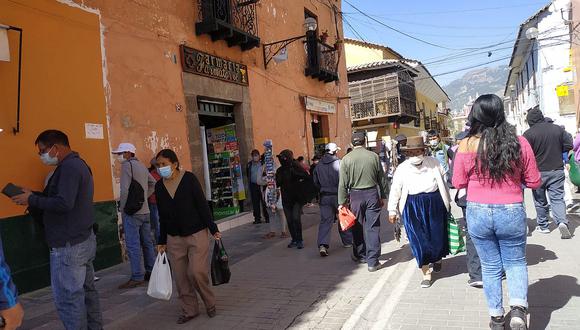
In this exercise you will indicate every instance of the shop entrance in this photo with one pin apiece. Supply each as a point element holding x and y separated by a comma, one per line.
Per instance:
<point>320,133</point>
<point>222,168</point>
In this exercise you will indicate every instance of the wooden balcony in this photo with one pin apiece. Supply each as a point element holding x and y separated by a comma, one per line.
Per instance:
<point>234,21</point>
<point>322,59</point>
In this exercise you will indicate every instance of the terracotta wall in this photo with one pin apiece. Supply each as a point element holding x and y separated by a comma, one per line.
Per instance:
<point>62,88</point>
<point>147,103</point>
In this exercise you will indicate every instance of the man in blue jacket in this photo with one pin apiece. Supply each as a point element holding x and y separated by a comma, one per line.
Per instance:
<point>68,219</point>
<point>10,309</point>
<point>326,177</point>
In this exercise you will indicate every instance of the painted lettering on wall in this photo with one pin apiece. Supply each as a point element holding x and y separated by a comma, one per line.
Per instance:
<point>195,61</point>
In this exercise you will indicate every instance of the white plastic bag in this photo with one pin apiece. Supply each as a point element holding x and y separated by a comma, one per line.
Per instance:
<point>160,284</point>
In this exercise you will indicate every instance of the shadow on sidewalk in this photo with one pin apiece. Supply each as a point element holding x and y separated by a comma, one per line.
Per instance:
<point>549,295</point>
<point>536,254</point>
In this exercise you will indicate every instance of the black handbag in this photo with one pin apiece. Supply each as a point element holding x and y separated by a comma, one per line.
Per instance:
<point>135,196</point>
<point>220,270</point>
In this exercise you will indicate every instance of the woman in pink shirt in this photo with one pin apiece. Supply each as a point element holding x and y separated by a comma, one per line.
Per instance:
<point>494,164</point>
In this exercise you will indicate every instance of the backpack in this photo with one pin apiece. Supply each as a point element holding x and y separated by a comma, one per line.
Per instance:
<point>135,197</point>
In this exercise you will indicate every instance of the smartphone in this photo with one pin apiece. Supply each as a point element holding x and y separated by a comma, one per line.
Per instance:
<point>12,190</point>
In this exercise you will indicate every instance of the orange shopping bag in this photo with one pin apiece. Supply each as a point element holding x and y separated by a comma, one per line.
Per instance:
<point>346,218</point>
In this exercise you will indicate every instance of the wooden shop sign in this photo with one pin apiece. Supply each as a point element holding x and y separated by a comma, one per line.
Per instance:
<point>198,62</point>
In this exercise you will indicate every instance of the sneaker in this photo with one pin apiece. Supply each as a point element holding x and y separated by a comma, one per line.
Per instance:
<point>542,230</point>
<point>347,246</point>
<point>564,231</point>
<point>358,260</point>
<point>131,284</point>
<point>257,222</point>
<point>292,245</point>
<point>426,284</point>
<point>374,268</point>
<point>323,251</point>
<point>300,245</point>
<point>497,323</point>
<point>475,283</point>
<point>518,318</point>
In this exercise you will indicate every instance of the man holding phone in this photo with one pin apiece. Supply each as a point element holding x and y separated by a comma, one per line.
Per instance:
<point>67,214</point>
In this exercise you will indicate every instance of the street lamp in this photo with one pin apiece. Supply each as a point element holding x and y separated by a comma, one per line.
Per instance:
<point>274,48</point>
<point>532,33</point>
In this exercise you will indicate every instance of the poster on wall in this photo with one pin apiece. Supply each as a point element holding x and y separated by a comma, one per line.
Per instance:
<point>225,171</point>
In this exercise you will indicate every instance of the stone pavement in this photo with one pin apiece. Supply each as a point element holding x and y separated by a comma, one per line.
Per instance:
<point>274,287</point>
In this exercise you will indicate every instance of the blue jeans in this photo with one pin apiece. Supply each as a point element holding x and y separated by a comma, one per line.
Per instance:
<point>553,185</point>
<point>499,234</point>
<point>72,278</point>
<point>139,244</point>
<point>154,215</point>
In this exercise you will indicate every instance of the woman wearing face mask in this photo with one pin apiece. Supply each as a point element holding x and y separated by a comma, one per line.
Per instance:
<point>420,196</point>
<point>185,226</point>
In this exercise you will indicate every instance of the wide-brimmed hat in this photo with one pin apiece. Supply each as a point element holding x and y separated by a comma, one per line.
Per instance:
<point>414,143</point>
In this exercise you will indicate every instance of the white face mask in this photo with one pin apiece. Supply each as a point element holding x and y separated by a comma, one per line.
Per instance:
<point>416,160</point>
<point>120,158</point>
<point>433,143</point>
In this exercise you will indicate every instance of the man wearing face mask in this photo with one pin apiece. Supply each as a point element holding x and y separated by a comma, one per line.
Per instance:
<point>253,172</point>
<point>136,221</point>
<point>68,220</point>
<point>439,150</point>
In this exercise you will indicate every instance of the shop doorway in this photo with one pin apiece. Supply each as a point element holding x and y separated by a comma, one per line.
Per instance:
<point>222,168</point>
<point>320,133</point>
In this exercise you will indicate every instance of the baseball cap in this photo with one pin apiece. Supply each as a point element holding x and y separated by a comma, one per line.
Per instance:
<point>358,136</point>
<point>125,147</point>
<point>332,147</point>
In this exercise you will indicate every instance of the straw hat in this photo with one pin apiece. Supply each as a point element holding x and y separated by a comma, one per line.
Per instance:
<point>414,143</point>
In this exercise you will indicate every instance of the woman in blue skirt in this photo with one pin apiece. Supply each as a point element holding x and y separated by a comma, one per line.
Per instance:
<point>420,196</point>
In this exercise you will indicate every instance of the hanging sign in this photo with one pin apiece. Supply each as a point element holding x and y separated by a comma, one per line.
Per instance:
<point>317,105</point>
<point>198,62</point>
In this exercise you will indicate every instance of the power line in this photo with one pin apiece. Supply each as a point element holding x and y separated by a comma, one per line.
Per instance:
<point>466,10</point>
<point>398,31</point>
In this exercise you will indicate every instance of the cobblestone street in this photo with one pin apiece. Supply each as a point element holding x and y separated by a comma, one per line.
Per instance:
<point>274,287</point>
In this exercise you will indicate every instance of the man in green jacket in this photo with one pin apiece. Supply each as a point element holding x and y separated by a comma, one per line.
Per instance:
<point>363,181</point>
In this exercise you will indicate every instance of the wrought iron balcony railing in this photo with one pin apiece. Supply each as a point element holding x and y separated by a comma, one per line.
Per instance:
<point>322,59</point>
<point>234,21</point>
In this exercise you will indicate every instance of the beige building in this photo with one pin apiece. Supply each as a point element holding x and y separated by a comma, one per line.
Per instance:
<point>392,95</point>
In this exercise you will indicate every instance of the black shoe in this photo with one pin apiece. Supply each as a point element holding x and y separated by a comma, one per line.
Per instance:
<point>374,268</point>
<point>292,245</point>
<point>358,260</point>
<point>518,318</point>
<point>497,323</point>
<point>257,222</point>
<point>475,283</point>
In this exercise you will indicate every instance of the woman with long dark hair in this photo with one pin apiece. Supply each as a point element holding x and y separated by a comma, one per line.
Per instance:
<point>185,226</point>
<point>493,163</point>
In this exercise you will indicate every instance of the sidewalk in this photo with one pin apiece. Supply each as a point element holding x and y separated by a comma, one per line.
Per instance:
<point>274,287</point>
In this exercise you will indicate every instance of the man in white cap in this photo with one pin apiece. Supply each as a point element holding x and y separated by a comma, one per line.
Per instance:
<point>136,186</point>
<point>326,177</point>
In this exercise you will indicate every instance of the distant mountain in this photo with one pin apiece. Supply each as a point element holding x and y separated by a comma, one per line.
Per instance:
<point>476,82</point>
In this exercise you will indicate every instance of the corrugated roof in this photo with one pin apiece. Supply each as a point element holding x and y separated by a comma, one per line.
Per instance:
<point>372,45</point>
<point>424,81</point>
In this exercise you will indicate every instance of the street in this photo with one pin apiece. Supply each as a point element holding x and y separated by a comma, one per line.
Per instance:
<point>274,287</point>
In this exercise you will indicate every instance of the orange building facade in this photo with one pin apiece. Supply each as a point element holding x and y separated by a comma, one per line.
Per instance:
<point>185,75</point>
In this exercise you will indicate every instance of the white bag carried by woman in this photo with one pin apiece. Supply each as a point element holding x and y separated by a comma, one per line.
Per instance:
<point>160,284</point>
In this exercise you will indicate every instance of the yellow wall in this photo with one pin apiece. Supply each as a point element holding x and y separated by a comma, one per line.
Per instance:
<point>62,88</point>
<point>358,54</point>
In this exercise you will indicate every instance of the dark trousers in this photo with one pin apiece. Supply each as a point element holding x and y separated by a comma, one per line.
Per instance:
<point>293,213</point>
<point>553,185</point>
<point>328,212</point>
<point>473,262</point>
<point>365,204</point>
<point>258,204</point>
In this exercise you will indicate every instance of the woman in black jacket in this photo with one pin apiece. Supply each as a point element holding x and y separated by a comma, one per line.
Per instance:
<point>185,224</point>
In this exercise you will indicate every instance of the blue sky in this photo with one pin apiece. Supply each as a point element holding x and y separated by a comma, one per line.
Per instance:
<point>456,27</point>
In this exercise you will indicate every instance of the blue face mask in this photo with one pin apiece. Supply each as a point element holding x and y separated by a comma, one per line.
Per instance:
<point>47,160</point>
<point>165,171</point>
